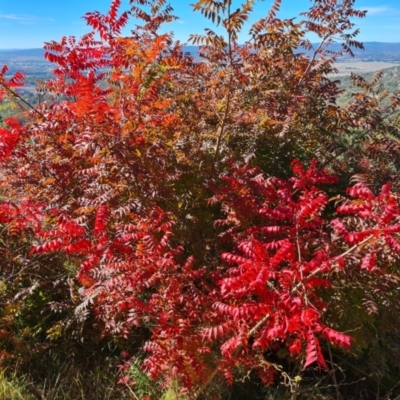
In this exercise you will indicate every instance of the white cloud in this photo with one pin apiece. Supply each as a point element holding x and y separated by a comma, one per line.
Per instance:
<point>378,10</point>
<point>24,19</point>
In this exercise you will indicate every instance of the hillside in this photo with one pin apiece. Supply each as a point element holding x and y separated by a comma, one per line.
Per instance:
<point>375,51</point>
<point>389,80</point>
<point>376,56</point>
<point>32,61</point>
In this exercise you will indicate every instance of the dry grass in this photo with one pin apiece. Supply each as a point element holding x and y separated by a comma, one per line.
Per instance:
<point>361,67</point>
<point>13,389</point>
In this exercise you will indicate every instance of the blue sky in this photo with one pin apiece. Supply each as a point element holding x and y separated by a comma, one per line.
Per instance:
<point>30,23</point>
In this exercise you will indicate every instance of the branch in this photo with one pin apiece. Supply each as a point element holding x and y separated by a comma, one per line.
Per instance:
<point>323,41</point>
<point>223,123</point>
<point>317,271</point>
<point>237,350</point>
<point>15,94</point>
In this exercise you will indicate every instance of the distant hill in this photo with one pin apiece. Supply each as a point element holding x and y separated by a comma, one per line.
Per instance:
<point>22,53</point>
<point>374,51</point>
<point>390,81</point>
<point>30,61</point>
<point>33,63</point>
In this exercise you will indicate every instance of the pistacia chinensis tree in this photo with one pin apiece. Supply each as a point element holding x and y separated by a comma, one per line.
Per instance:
<point>181,196</point>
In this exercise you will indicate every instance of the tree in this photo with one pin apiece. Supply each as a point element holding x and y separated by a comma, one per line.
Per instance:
<point>169,185</point>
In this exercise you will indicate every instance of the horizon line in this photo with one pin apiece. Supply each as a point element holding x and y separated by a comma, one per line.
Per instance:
<point>188,45</point>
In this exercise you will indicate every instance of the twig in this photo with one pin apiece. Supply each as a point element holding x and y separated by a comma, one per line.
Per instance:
<point>216,370</point>
<point>317,271</point>
<point>23,100</point>
<point>313,59</point>
<point>225,118</point>
<point>338,397</point>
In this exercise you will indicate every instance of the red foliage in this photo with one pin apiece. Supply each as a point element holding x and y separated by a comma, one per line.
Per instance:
<point>92,180</point>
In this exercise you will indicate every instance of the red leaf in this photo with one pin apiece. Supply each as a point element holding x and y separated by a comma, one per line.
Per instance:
<point>369,261</point>
<point>340,339</point>
<point>313,351</point>
<point>295,348</point>
<point>360,190</point>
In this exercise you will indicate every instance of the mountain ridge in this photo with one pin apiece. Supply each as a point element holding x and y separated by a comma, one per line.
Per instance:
<point>32,62</point>
<point>370,47</point>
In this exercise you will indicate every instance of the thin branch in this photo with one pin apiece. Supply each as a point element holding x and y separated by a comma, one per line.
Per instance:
<point>335,383</point>
<point>236,351</point>
<point>313,59</point>
<point>228,101</point>
<point>15,94</point>
<point>224,120</point>
<point>298,246</point>
<point>356,245</point>
<point>317,271</point>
